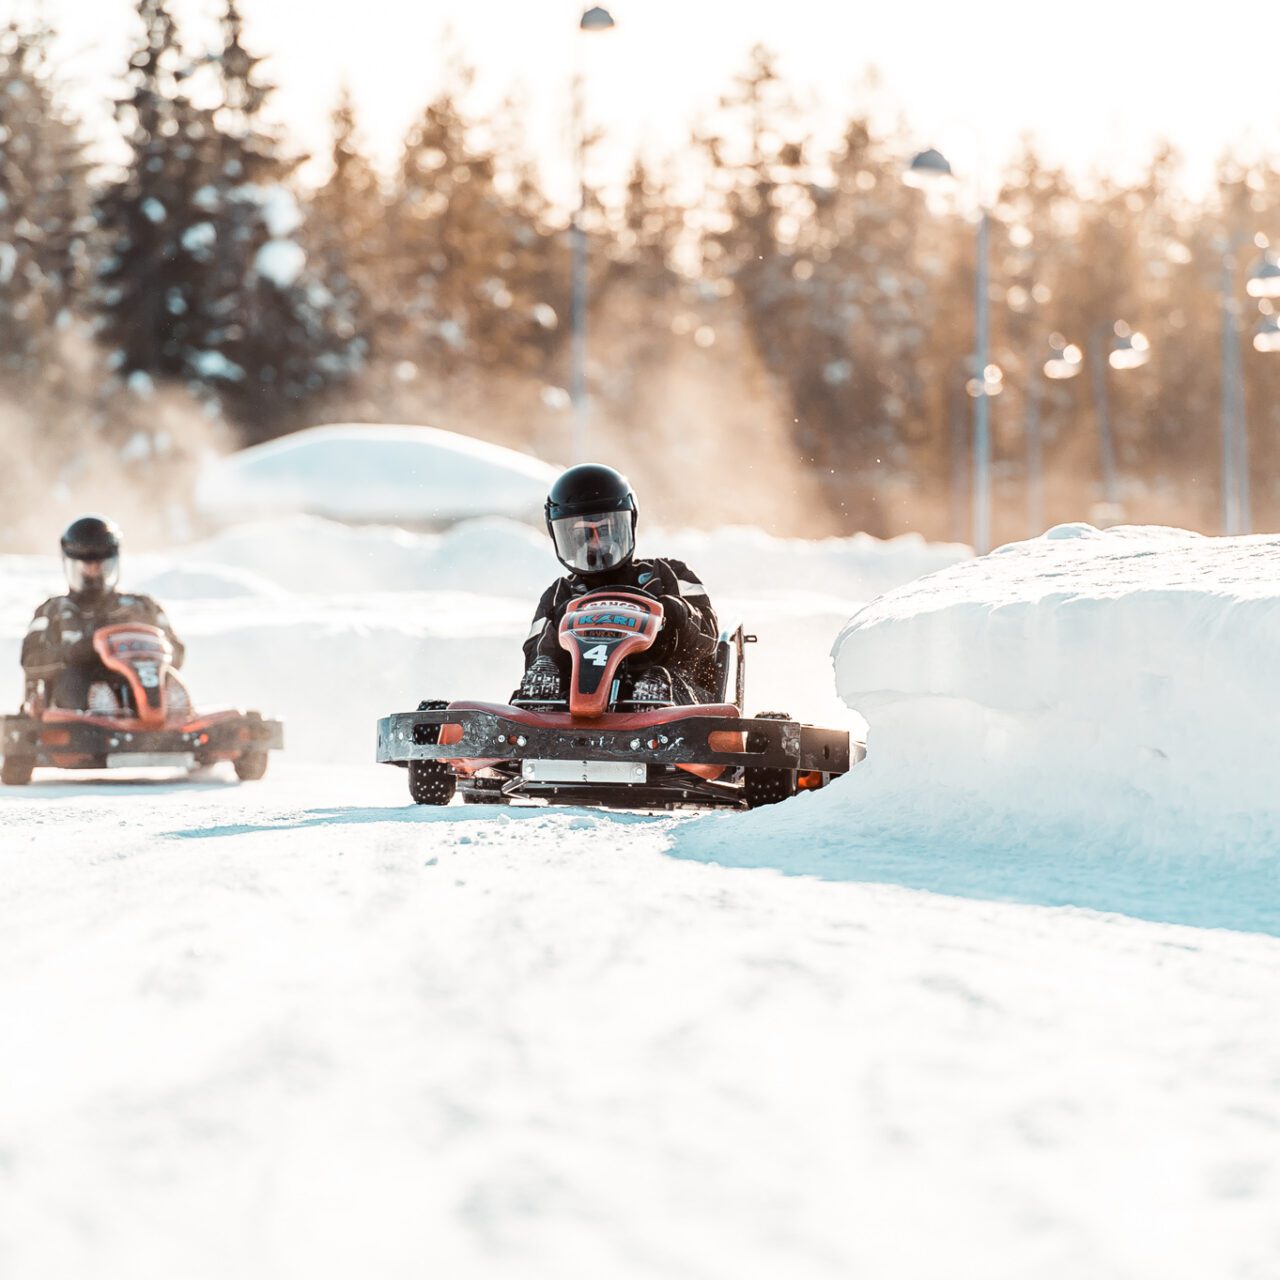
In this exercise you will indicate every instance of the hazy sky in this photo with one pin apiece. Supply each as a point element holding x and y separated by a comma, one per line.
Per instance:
<point>1096,81</point>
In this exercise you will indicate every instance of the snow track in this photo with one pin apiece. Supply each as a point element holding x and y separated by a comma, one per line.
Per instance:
<point>254,1034</point>
<point>304,1029</point>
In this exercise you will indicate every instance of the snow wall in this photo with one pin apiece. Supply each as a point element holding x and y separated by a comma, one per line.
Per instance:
<point>1087,719</point>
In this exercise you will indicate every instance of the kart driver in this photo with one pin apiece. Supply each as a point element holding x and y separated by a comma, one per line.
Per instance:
<point>591,517</point>
<point>58,648</point>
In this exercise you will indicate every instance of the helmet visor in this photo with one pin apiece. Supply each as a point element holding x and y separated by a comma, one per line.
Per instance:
<point>595,543</point>
<point>92,577</point>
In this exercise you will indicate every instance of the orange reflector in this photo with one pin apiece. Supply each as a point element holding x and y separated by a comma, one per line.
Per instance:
<point>55,737</point>
<point>808,781</point>
<point>725,740</point>
<point>450,735</point>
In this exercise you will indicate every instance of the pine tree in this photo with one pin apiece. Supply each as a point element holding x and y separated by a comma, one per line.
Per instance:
<point>274,335</point>
<point>44,201</point>
<point>154,219</point>
<point>466,249</point>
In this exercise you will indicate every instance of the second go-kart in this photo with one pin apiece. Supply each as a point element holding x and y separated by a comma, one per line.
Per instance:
<point>141,717</point>
<point>603,746</point>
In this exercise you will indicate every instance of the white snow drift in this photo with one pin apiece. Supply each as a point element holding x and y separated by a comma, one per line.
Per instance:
<point>1088,718</point>
<point>413,475</point>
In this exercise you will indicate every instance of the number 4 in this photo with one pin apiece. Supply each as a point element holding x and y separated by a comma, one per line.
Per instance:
<point>598,654</point>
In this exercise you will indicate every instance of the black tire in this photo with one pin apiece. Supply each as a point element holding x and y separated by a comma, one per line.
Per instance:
<point>252,766</point>
<point>16,771</point>
<point>431,782</point>
<point>767,786</point>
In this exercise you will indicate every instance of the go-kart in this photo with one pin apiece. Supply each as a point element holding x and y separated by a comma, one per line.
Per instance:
<point>141,718</point>
<point>602,745</point>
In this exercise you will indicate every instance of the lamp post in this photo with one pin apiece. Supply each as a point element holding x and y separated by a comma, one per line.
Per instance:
<point>931,168</point>
<point>594,19</point>
<point>1264,284</point>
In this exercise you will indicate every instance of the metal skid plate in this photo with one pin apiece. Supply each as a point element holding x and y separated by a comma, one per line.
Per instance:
<point>488,735</point>
<point>152,760</point>
<point>129,748</point>
<point>584,771</point>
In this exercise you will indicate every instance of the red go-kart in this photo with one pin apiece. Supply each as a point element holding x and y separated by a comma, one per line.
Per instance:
<point>603,746</point>
<point>142,718</point>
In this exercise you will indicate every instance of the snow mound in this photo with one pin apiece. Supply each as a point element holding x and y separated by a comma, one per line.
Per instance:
<point>1086,718</point>
<point>196,581</point>
<point>411,475</point>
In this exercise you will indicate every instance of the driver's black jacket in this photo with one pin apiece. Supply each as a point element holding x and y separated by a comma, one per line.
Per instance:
<point>61,633</point>
<point>687,648</point>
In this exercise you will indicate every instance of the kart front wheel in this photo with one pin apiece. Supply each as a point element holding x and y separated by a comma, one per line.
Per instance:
<point>251,766</point>
<point>431,782</point>
<point>766,786</point>
<point>16,771</point>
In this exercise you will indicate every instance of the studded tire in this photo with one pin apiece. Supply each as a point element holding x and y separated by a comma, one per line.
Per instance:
<point>431,781</point>
<point>766,786</point>
<point>16,771</point>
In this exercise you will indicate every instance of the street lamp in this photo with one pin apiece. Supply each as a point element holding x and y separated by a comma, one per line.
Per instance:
<point>930,168</point>
<point>597,18</point>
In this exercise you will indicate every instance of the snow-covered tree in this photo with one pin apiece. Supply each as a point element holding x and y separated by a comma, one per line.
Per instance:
<point>44,200</point>
<point>274,334</point>
<point>154,217</point>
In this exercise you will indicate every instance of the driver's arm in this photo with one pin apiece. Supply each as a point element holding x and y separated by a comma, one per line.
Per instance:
<point>49,646</point>
<point>692,628</point>
<point>543,640</point>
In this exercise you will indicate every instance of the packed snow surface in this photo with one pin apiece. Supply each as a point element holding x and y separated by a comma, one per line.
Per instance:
<point>302,1028</point>
<point>360,472</point>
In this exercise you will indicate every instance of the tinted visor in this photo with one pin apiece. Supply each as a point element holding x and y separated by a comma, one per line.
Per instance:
<point>595,543</point>
<point>92,577</point>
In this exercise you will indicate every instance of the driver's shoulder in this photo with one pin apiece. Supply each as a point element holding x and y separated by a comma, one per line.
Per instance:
<point>671,570</point>
<point>57,607</point>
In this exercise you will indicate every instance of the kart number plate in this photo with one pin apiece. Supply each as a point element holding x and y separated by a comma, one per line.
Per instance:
<point>151,760</point>
<point>584,771</point>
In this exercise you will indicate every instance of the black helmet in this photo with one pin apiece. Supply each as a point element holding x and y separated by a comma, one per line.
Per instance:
<point>91,556</point>
<point>591,516</point>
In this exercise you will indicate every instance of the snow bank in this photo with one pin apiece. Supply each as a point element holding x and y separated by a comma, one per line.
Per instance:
<point>1086,718</point>
<point>416,475</point>
<point>195,581</point>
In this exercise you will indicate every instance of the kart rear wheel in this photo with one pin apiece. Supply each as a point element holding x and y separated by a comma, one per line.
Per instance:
<point>431,782</point>
<point>767,786</point>
<point>16,770</point>
<point>251,766</point>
